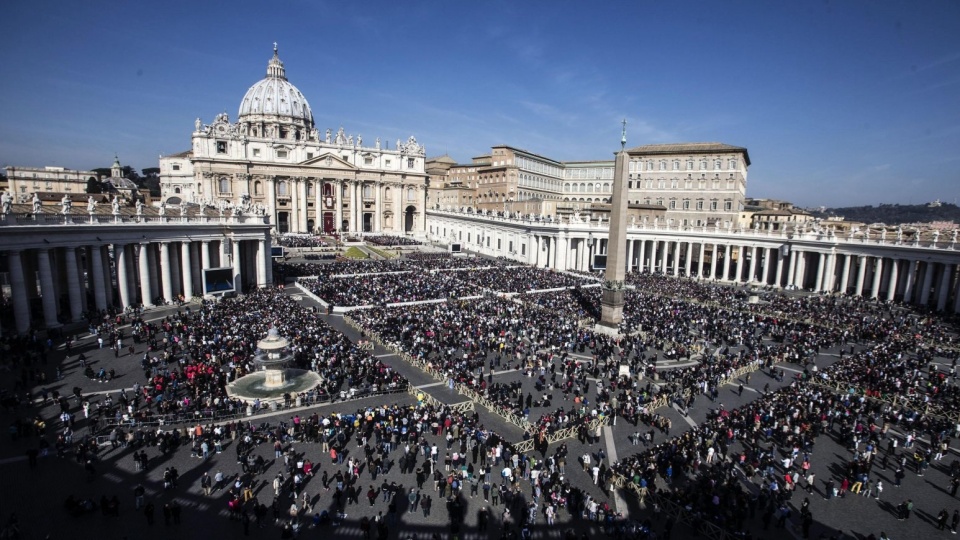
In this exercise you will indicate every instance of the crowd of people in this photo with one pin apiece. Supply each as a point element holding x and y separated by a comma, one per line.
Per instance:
<point>391,240</point>
<point>390,288</point>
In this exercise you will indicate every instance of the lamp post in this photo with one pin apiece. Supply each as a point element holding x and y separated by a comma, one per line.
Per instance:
<point>591,241</point>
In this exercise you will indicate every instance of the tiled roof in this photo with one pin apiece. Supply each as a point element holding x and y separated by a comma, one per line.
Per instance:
<point>688,148</point>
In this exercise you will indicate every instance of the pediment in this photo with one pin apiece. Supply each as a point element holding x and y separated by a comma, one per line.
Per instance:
<point>329,161</point>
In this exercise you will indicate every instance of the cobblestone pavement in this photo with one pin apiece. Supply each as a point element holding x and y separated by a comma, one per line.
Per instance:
<point>36,494</point>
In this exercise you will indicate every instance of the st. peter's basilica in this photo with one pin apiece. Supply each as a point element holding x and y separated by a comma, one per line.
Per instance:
<point>273,160</point>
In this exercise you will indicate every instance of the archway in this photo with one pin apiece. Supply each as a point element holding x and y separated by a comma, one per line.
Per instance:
<point>283,222</point>
<point>408,218</point>
<point>367,222</point>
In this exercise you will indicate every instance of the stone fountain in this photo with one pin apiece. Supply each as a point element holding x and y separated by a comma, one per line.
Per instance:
<point>272,378</point>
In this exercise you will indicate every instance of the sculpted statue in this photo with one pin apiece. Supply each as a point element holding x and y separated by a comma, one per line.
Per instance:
<point>953,236</point>
<point>163,208</point>
<point>936,236</point>
<point>359,140</point>
<point>139,207</point>
<point>66,204</point>
<point>36,203</point>
<point>196,124</point>
<point>378,143</point>
<point>349,140</point>
<point>883,235</point>
<point>899,234</point>
<point>329,136</point>
<point>116,205</point>
<point>91,205</point>
<point>6,203</point>
<point>183,209</point>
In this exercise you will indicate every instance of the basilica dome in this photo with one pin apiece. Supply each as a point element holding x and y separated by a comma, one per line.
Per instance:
<point>274,96</point>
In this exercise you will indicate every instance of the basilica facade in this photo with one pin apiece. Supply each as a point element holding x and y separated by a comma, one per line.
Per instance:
<point>273,160</point>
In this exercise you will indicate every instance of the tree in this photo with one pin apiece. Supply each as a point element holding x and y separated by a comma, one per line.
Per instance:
<point>94,185</point>
<point>150,171</point>
<point>102,172</point>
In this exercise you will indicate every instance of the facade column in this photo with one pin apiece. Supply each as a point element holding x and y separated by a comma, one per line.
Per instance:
<point>302,204</point>
<point>146,290</point>
<point>338,204</point>
<point>96,263</point>
<point>664,253</point>
<point>123,278</point>
<point>561,252</point>
<point>925,287</point>
<point>892,282</point>
<point>165,275</point>
<point>689,262</point>
<point>268,260</point>
<point>186,263</point>
<point>204,255</point>
<point>73,284</point>
<point>845,276</point>
<point>18,287</point>
<point>237,266</point>
<point>378,207</point>
<point>271,206</point>
<point>944,289</point>
<point>861,271</point>
<point>46,289</point>
<point>728,250</point>
<point>294,204</point>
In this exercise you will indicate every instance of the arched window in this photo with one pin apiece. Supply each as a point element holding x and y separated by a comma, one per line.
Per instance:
<point>411,194</point>
<point>367,191</point>
<point>282,188</point>
<point>310,191</point>
<point>258,188</point>
<point>224,185</point>
<point>176,189</point>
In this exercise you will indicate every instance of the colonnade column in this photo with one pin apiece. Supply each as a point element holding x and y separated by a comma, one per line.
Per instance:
<point>925,286</point>
<point>728,250</point>
<point>237,267</point>
<point>911,278</point>
<point>861,271</point>
<point>268,261</point>
<point>689,262</point>
<point>676,258</point>
<point>123,278</point>
<point>186,262</point>
<point>792,270</point>
<point>46,289</point>
<point>821,271</point>
<point>73,284</point>
<point>778,280</point>
<point>643,253</point>
<point>703,251</point>
<point>262,264</point>
<point>765,269</point>
<point>877,274</point>
<point>741,256</point>
<point>845,276</point>
<point>146,291</point>
<point>96,263</point>
<point>892,282</point>
<point>338,205</point>
<point>294,222</point>
<point>713,261</point>
<point>944,288</point>
<point>629,256</point>
<point>18,287</point>
<point>378,208</point>
<point>664,253</point>
<point>165,276</point>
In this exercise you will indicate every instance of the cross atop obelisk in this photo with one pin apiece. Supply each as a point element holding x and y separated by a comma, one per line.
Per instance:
<point>611,304</point>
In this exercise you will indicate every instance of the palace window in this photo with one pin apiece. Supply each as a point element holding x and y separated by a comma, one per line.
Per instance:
<point>256,152</point>
<point>699,205</point>
<point>282,188</point>
<point>368,161</point>
<point>282,154</point>
<point>713,205</point>
<point>258,188</point>
<point>686,205</point>
<point>728,206</point>
<point>176,166</point>
<point>224,185</point>
<point>673,205</point>
<point>411,194</point>
<point>367,191</point>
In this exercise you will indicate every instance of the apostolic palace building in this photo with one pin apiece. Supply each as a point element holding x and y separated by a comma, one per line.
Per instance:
<point>272,171</point>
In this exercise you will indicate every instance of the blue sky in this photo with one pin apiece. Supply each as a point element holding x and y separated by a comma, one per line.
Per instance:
<point>839,103</point>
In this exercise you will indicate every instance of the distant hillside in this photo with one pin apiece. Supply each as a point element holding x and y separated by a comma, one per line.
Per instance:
<point>893,214</point>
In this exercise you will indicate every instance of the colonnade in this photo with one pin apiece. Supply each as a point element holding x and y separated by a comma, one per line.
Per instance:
<point>58,284</point>
<point>926,275</point>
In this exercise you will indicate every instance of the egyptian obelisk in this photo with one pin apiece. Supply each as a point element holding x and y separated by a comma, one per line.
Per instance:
<point>611,304</point>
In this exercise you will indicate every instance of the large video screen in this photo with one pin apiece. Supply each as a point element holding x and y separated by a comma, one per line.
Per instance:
<point>599,262</point>
<point>218,280</point>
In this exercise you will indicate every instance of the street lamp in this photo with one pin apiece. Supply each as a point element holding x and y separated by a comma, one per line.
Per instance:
<point>591,241</point>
